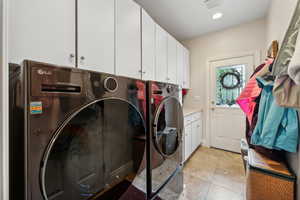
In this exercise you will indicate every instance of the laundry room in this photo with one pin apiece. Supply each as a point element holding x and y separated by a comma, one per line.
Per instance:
<point>149,100</point>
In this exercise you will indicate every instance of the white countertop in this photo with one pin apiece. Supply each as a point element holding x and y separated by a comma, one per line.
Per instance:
<point>188,111</point>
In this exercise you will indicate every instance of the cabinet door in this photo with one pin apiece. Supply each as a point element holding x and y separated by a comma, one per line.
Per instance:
<point>187,142</point>
<point>172,60</point>
<point>42,31</point>
<point>194,136</point>
<point>148,47</point>
<point>96,24</point>
<point>199,132</point>
<point>180,65</point>
<point>186,62</point>
<point>128,39</point>
<point>161,66</point>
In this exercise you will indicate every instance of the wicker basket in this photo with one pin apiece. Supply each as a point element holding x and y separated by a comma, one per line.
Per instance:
<point>268,179</point>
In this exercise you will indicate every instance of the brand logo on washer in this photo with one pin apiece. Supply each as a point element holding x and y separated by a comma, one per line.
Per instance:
<point>44,72</point>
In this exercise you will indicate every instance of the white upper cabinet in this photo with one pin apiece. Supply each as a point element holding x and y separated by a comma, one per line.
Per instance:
<point>111,36</point>
<point>186,68</point>
<point>96,22</point>
<point>172,60</point>
<point>180,65</point>
<point>161,66</point>
<point>42,31</point>
<point>128,39</point>
<point>148,47</point>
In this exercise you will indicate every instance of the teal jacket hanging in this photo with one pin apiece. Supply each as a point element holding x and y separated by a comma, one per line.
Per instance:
<point>277,127</point>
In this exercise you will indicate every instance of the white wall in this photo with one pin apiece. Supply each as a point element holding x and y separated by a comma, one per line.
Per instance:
<point>279,16</point>
<point>3,104</point>
<point>243,38</point>
<point>278,20</point>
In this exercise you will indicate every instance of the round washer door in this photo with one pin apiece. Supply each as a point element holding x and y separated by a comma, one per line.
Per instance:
<point>168,126</point>
<point>98,152</point>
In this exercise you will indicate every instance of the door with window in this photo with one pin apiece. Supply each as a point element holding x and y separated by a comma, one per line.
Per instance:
<point>227,121</point>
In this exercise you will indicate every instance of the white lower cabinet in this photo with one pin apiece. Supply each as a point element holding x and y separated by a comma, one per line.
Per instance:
<point>199,131</point>
<point>193,134</point>
<point>188,141</point>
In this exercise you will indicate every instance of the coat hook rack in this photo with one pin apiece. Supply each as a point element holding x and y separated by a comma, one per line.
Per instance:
<point>273,49</point>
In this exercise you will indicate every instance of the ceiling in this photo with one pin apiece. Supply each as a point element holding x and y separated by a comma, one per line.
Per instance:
<point>186,19</point>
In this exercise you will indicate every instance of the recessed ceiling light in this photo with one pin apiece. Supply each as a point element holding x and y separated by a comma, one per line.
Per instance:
<point>217,15</point>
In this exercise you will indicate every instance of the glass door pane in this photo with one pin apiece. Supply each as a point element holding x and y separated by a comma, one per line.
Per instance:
<point>230,81</point>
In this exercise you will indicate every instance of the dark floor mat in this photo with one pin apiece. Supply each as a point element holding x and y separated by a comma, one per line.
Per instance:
<point>124,191</point>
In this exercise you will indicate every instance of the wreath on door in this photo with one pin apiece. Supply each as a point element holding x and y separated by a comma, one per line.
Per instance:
<point>230,80</point>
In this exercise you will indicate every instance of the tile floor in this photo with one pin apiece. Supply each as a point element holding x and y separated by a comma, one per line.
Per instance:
<point>213,174</point>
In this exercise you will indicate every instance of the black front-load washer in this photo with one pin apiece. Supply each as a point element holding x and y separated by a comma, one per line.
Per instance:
<point>165,128</point>
<point>75,134</point>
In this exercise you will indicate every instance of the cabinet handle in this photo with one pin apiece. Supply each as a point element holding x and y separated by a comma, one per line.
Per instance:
<point>144,72</point>
<point>71,57</point>
<point>82,58</point>
<point>140,71</point>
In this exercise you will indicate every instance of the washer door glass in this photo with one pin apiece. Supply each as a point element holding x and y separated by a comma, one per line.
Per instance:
<point>167,156</point>
<point>99,153</point>
<point>168,126</point>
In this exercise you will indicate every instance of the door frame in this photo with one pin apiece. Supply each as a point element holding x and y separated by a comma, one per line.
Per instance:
<point>257,58</point>
<point>4,100</point>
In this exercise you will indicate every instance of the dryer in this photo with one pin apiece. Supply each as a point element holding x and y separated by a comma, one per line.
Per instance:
<point>75,134</point>
<point>165,130</point>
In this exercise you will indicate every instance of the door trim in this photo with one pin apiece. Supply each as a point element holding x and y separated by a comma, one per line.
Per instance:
<point>257,56</point>
<point>4,118</point>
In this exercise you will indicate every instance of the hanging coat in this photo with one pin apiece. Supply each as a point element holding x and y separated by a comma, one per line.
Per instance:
<point>277,127</point>
<point>246,100</point>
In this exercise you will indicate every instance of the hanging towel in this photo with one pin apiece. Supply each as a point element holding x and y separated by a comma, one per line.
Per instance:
<point>277,127</point>
<point>294,66</point>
